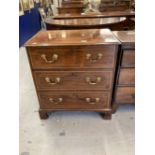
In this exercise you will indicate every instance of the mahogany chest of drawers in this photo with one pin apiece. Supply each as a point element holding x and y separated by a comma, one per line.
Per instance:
<point>73,70</point>
<point>125,83</point>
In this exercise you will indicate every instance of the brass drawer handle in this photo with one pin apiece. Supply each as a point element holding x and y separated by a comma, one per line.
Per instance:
<point>91,59</point>
<point>92,101</point>
<point>53,81</point>
<point>54,58</point>
<point>92,82</point>
<point>56,101</point>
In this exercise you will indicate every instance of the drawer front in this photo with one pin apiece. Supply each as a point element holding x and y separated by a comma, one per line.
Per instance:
<point>74,100</point>
<point>83,57</point>
<point>70,10</point>
<point>125,95</point>
<point>128,59</point>
<point>77,80</point>
<point>127,77</point>
<point>99,56</point>
<point>48,58</point>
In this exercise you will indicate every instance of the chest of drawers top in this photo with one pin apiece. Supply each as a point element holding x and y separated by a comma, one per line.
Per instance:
<point>72,38</point>
<point>125,37</point>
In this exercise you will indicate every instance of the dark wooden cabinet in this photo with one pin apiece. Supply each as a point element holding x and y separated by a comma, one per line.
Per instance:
<point>125,82</point>
<point>125,95</point>
<point>70,9</point>
<point>74,70</point>
<point>114,5</point>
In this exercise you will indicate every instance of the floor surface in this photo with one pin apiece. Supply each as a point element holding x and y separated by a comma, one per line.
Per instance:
<point>70,133</point>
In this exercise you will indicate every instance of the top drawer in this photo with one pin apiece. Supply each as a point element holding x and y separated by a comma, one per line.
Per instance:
<point>128,59</point>
<point>72,57</point>
<point>48,58</point>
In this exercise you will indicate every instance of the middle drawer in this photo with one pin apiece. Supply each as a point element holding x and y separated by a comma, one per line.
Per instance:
<point>76,80</point>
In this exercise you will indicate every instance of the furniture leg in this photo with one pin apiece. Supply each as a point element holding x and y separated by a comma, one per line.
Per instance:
<point>114,108</point>
<point>106,116</point>
<point>43,114</point>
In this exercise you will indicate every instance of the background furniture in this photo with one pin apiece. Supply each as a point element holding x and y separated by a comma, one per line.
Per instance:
<point>126,13</point>
<point>79,7</point>
<point>113,23</point>
<point>115,5</point>
<point>70,9</point>
<point>71,3</point>
<point>106,5</point>
<point>125,84</point>
<point>74,70</point>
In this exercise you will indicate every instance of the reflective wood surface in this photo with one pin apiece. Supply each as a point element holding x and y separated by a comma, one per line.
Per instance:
<point>85,21</point>
<point>73,37</point>
<point>127,13</point>
<point>125,36</point>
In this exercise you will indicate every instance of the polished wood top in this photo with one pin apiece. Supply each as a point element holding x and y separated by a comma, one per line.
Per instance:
<point>85,21</point>
<point>70,7</point>
<point>72,2</point>
<point>125,36</point>
<point>73,37</point>
<point>103,14</point>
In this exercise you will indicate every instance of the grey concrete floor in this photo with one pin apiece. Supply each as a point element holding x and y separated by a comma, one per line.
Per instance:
<point>70,133</point>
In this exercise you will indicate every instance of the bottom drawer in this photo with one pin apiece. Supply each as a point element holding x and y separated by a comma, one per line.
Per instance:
<point>74,100</point>
<point>125,95</point>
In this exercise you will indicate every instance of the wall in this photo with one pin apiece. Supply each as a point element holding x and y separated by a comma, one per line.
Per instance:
<point>29,24</point>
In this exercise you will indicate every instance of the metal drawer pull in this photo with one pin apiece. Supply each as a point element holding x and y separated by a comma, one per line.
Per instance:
<point>54,58</point>
<point>89,57</point>
<point>92,101</point>
<point>53,81</point>
<point>56,101</point>
<point>92,82</point>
